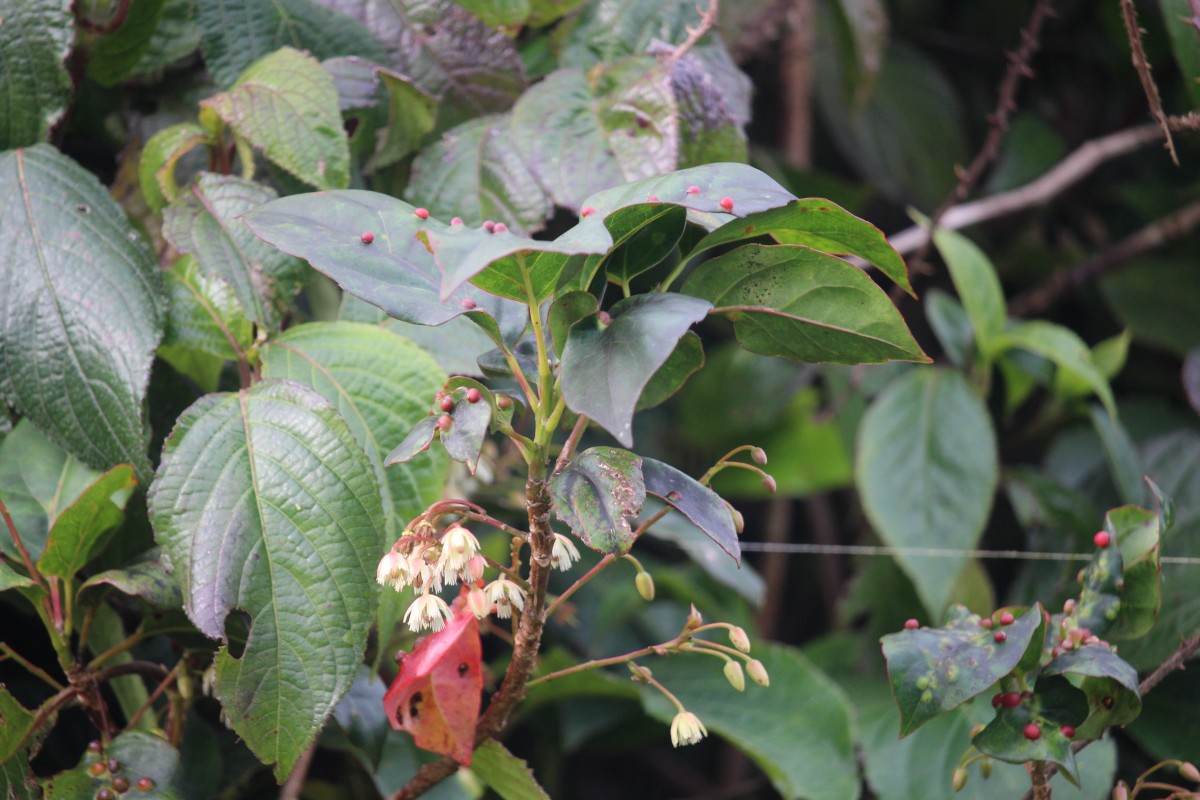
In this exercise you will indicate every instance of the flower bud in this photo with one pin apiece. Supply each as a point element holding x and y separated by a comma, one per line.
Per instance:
<point>1120,791</point>
<point>985,768</point>
<point>739,522</point>
<point>757,672</point>
<point>645,585</point>
<point>478,603</point>
<point>739,639</point>
<point>759,455</point>
<point>960,779</point>
<point>694,620</point>
<point>768,483</point>
<point>735,676</point>
<point>1189,772</point>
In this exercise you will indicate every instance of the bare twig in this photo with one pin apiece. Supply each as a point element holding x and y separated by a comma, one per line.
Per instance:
<point>1072,169</point>
<point>16,537</point>
<point>1138,54</point>
<point>1006,103</point>
<point>708,18</point>
<point>796,77</point>
<point>1168,229</point>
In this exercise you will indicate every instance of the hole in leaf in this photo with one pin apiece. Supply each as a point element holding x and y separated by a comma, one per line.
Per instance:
<point>237,631</point>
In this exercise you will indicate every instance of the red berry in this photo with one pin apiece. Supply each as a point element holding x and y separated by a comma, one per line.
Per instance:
<point>444,422</point>
<point>97,769</point>
<point>473,395</point>
<point>467,303</point>
<point>693,190</point>
<point>653,198</point>
<point>586,211</point>
<point>911,625</point>
<point>447,403</point>
<point>145,784</point>
<point>456,220</point>
<point>727,203</point>
<point>500,227</point>
<point>1102,539</point>
<point>503,401</point>
<point>1006,618</point>
<point>1011,699</point>
<point>1067,731</point>
<point>367,237</point>
<point>121,784</point>
<point>999,636</point>
<point>114,765</point>
<point>986,622</point>
<point>997,699</point>
<point>94,746</point>
<point>1033,732</point>
<point>421,213</point>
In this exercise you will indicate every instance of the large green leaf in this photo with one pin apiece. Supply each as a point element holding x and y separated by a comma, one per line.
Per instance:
<point>396,272</point>
<point>475,172</point>
<point>141,755</point>
<point>381,384</point>
<point>114,54</point>
<point>17,721</point>
<point>505,774</point>
<point>927,471</point>
<point>77,531</point>
<point>605,369</point>
<point>287,106</point>
<point>81,312</point>
<point>38,481</point>
<point>581,133</point>
<point>34,42</point>
<point>1136,532</point>
<point>799,730</point>
<point>205,313</point>
<point>176,37</point>
<point>977,285</point>
<point>597,494</point>
<point>1109,683</point>
<point>204,221</point>
<point>267,506</point>
<point>1062,347</point>
<point>412,113</point>
<point>792,301</point>
<point>236,33</point>
<point>818,224</point>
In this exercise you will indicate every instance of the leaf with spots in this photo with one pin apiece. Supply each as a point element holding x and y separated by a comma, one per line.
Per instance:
<point>1137,533</point>
<point>286,105</point>
<point>1053,703</point>
<point>381,384</point>
<point>597,494</point>
<point>81,310</point>
<point>204,221</point>
<point>268,509</point>
<point>934,670</point>
<point>436,696</point>
<point>1109,683</point>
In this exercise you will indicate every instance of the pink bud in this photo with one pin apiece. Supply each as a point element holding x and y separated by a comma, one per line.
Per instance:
<point>421,213</point>
<point>693,190</point>
<point>466,303</point>
<point>456,220</point>
<point>652,198</point>
<point>768,483</point>
<point>911,625</point>
<point>759,455</point>
<point>499,227</point>
<point>488,225</point>
<point>367,237</point>
<point>586,211</point>
<point>727,203</point>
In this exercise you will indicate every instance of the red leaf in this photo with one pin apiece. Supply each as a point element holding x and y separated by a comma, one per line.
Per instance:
<point>436,696</point>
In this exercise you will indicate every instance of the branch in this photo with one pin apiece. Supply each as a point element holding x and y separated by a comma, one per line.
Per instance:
<point>1072,169</point>
<point>1134,33</point>
<point>1168,229</point>
<point>708,18</point>
<point>1173,662</point>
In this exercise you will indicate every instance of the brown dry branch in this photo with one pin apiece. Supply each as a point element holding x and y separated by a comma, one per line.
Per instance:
<point>1138,54</point>
<point>796,76</point>
<point>1170,228</point>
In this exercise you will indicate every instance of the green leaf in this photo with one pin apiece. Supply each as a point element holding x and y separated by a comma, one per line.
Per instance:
<point>11,579</point>
<point>412,113</point>
<point>35,39</point>
<point>564,312</point>
<point>176,37</point>
<point>17,721</point>
<point>607,32</point>
<point>267,506</point>
<point>643,235</point>
<point>505,774</point>
<point>604,370</point>
<point>1157,300</point>
<point>978,288</point>
<point>1110,684</point>
<point>476,172</point>
<point>205,313</point>
<point>140,754</point>
<point>1136,532</point>
<point>236,33</point>
<point>146,578</point>
<point>597,493</point>
<point>415,442</point>
<point>83,312</point>
<point>1109,356</point>
<point>156,170</point>
<point>381,384</point>
<point>951,324</point>
<point>927,471</point>
<point>792,301</point>
<point>1054,703</point>
<point>38,481</point>
<point>1123,461</point>
<point>580,133</point>
<point>934,670</point>
<point>497,13</point>
<point>697,502</point>
<point>114,55</point>
<point>396,272</point>
<point>77,531</point>
<point>1062,347</point>
<point>287,106</point>
<point>685,360</point>
<point>867,23</point>
<point>819,224</point>
<point>799,731</point>
<point>205,222</point>
<point>1179,17</point>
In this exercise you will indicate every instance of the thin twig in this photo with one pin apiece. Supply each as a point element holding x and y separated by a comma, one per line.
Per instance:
<point>568,448</point>
<point>16,537</point>
<point>708,18</point>
<point>1170,228</point>
<point>601,565</point>
<point>295,781</point>
<point>158,690</point>
<point>796,77</point>
<point>1072,169</point>
<point>31,667</point>
<point>1138,54</point>
<point>1006,103</point>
